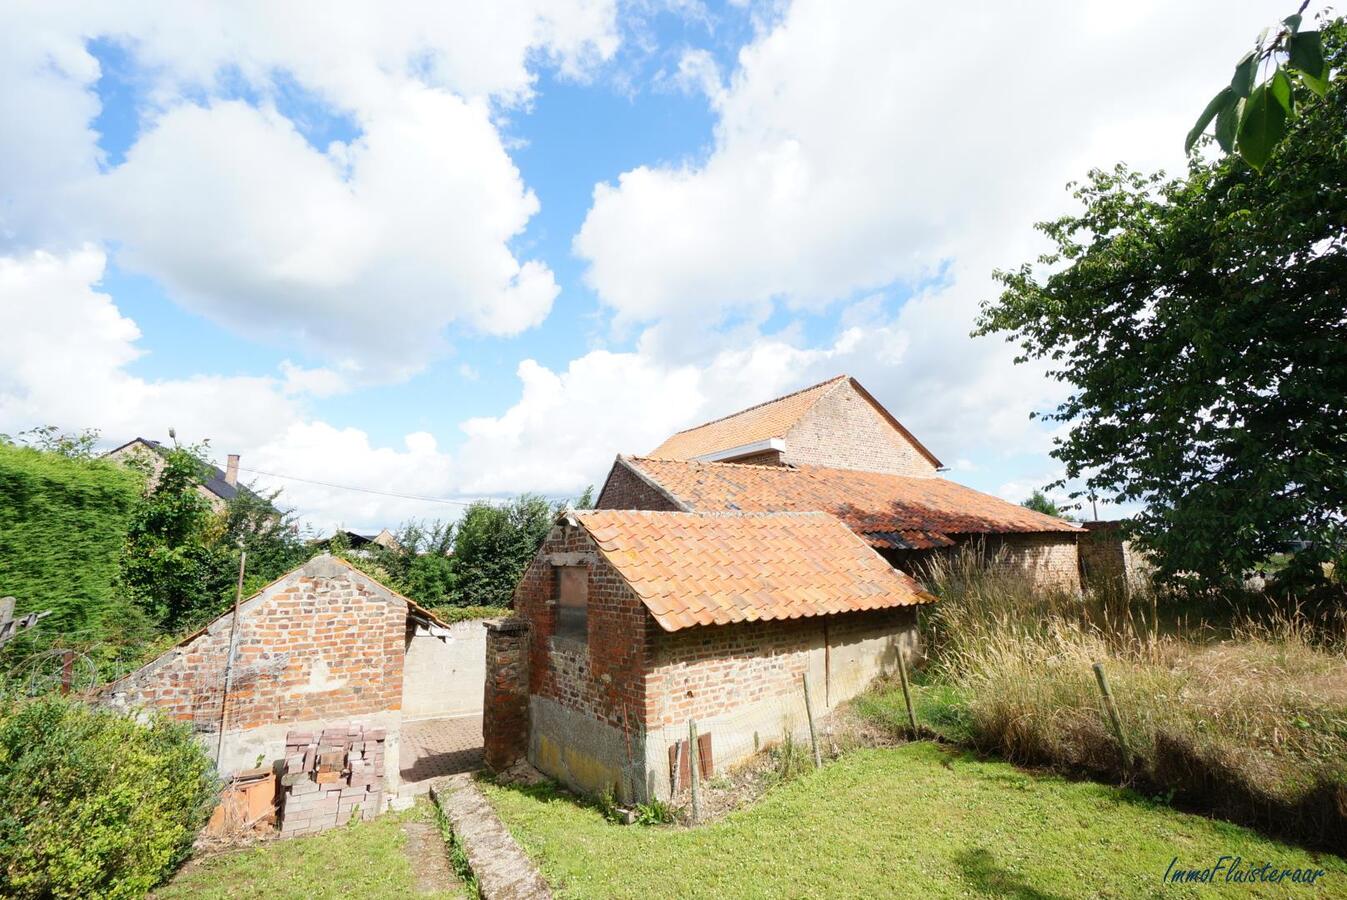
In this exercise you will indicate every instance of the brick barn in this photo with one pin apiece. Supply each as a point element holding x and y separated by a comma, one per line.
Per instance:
<point>631,623</point>
<point>323,645</point>
<point>833,448</point>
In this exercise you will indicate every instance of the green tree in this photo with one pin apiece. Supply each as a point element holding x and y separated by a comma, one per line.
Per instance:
<point>171,568</point>
<point>50,439</point>
<point>1253,114</point>
<point>253,521</point>
<point>493,544</point>
<point>421,566</point>
<point>1039,502</point>
<point>1200,324</point>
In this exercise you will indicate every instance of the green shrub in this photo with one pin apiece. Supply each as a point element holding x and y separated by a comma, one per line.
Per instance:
<point>95,804</point>
<point>452,614</point>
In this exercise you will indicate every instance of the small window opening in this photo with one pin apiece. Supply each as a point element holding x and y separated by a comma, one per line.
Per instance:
<point>573,601</point>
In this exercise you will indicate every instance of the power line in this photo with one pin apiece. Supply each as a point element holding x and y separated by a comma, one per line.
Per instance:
<point>347,487</point>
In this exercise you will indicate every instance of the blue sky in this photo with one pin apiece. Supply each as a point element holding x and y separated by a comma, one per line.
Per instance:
<point>465,250</point>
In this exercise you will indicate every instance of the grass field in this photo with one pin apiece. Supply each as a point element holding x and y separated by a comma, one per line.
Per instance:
<point>364,859</point>
<point>918,820</point>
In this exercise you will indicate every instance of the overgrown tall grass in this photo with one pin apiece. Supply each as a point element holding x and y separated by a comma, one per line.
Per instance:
<point>1248,721</point>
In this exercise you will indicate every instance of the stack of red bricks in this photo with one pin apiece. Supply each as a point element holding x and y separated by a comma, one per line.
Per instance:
<point>330,777</point>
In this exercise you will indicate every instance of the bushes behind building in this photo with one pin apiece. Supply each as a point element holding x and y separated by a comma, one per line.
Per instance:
<point>93,803</point>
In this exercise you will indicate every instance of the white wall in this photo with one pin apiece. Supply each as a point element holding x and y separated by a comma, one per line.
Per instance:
<point>445,672</point>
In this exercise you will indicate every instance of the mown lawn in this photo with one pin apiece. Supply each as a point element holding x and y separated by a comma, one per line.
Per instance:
<point>364,859</point>
<point>916,821</point>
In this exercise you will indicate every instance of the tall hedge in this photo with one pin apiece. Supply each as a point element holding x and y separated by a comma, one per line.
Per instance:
<point>63,525</point>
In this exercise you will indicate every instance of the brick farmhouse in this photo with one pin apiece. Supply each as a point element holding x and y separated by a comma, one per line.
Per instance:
<point>718,572</point>
<point>630,624</point>
<point>834,448</point>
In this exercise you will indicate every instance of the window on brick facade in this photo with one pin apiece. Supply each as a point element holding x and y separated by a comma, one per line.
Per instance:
<point>573,601</point>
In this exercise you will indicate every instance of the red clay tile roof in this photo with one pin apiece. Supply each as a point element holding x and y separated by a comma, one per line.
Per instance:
<point>757,423</point>
<point>713,569</point>
<point>892,511</point>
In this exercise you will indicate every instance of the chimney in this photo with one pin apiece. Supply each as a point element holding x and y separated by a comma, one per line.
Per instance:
<point>232,470</point>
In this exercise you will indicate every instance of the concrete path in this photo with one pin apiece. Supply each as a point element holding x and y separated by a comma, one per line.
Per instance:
<point>434,748</point>
<point>503,870</point>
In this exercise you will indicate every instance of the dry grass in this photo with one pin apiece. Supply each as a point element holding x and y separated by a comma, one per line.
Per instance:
<point>1251,726</point>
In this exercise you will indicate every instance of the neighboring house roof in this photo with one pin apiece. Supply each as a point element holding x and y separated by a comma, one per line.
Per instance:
<point>714,569</point>
<point>216,483</point>
<point>355,539</point>
<point>892,511</point>
<point>767,421</point>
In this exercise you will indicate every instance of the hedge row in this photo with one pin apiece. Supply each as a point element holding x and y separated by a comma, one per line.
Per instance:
<point>63,524</point>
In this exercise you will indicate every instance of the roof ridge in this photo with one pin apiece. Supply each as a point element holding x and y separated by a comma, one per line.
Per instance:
<point>747,409</point>
<point>719,462</point>
<point>708,513</point>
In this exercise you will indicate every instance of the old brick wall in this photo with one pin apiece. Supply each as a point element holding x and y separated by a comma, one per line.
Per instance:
<point>626,490</point>
<point>587,698</point>
<point>1108,561</point>
<point>698,673</point>
<point>324,643</point>
<point>845,431</point>
<point>604,675</point>
<point>1051,559</point>
<point>505,705</point>
<point>742,684</point>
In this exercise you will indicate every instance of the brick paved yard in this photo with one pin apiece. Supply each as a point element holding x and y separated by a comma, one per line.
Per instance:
<point>438,747</point>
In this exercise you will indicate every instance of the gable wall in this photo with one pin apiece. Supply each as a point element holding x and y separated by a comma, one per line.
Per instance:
<point>845,431</point>
<point>322,645</point>
<point>625,490</point>
<point>587,698</point>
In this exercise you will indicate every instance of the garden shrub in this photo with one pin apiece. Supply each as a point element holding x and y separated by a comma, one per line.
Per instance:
<point>93,803</point>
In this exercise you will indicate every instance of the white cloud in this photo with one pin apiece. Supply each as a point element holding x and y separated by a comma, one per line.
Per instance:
<point>859,144</point>
<point>319,452</point>
<point>364,251</point>
<point>698,72</point>
<point>69,368</point>
<point>567,426</point>
<point>66,365</point>
<point>848,155</point>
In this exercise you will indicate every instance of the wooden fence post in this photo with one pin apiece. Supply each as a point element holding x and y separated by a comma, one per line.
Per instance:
<point>67,670</point>
<point>229,660</point>
<point>809,714</point>
<point>694,775</point>
<point>907,692</point>
<point>1112,708</point>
